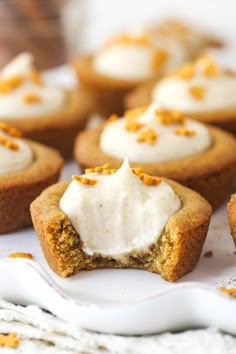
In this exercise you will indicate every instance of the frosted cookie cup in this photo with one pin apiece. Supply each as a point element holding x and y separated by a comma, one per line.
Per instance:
<point>26,168</point>
<point>132,220</point>
<point>164,143</point>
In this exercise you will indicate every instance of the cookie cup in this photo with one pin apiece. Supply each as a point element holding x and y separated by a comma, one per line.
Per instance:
<point>59,128</point>
<point>231,209</point>
<point>210,173</point>
<point>19,189</point>
<point>222,118</point>
<point>174,253</point>
<point>108,92</point>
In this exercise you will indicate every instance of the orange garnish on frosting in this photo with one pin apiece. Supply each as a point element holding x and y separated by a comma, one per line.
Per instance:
<point>169,117</point>
<point>20,255</point>
<point>9,341</point>
<point>186,72</point>
<point>84,180</point>
<point>35,77</point>
<point>137,171</point>
<point>134,113</point>
<point>111,119</point>
<point>8,143</point>
<point>210,70</point>
<point>197,92</point>
<point>11,83</point>
<point>31,98</point>
<point>184,132</point>
<point>9,130</point>
<point>159,58</point>
<point>127,40</point>
<point>150,180</point>
<point>98,168</point>
<point>148,136</point>
<point>131,126</point>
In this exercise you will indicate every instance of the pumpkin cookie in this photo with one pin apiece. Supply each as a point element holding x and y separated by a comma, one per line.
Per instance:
<point>26,168</point>
<point>123,63</point>
<point>48,114</point>
<point>121,219</point>
<point>201,90</point>
<point>164,143</point>
<point>231,208</point>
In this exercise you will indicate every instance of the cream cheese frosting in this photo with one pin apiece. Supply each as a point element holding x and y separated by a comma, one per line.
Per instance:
<point>145,138</point>
<point>26,98</point>
<point>119,213</point>
<point>137,56</point>
<point>218,89</point>
<point>15,154</point>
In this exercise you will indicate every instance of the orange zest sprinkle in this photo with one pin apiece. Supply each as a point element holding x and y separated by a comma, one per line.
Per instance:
<point>228,291</point>
<point>31,98</point>
<point>8,143</point>
<point>84,180</point>
<point>127,40</point>
<point>131,126</point>
<point>169,117</point>
<point>111,119</point>
<point>9,341</point>
<point>159,58</point>
<point>9,130</point>
<point>11,83</point>
<point>184,132</point>
<point>210,70</point>
<point>150,180</point>
<point>197,92</point>
<point>20,255</point>
<point>98,168</point>
<point>148,136</point>
<point>35,77</point>
<point>137,171</point>
<point>134,113</point>
<point>186,72</point>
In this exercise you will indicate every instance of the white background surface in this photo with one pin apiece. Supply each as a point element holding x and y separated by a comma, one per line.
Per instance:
<point>100,18</point>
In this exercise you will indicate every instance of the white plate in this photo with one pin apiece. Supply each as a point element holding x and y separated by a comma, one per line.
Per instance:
<point>126,301</point>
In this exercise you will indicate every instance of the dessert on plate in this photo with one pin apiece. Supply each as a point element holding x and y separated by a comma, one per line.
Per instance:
<point>124,62</point>
<point>164,143</point>
<point>122,218</point>
<point>200,89</point>
<point>26,168</point>
<point>49,114</point>
<point>231,209</point>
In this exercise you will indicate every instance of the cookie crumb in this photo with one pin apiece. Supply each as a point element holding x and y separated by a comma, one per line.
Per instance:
<point>9,341</point>
<point>228,291</point>
<point>208,254</point>
<point>20,255</point>
<point>184,132</point>
<point>159,58</point>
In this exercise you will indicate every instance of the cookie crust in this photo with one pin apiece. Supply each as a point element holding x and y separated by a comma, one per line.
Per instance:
<point>174,254</point>
<point>59,128</point>
<point>108,92</point>
<point>222,118</point>
<point>210,173</point>
<point>19,189</point>
<point>231,210</point>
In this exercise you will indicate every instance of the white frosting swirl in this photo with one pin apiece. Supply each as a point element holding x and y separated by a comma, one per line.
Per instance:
<point>130,61</point>
<point>14,160</point>
<point>219,92</point>
<point>12,105</point>
<point>118,214</point>
<point>116,141</point>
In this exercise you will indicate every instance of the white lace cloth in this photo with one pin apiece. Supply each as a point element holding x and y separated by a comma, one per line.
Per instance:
<point>40,332</point>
